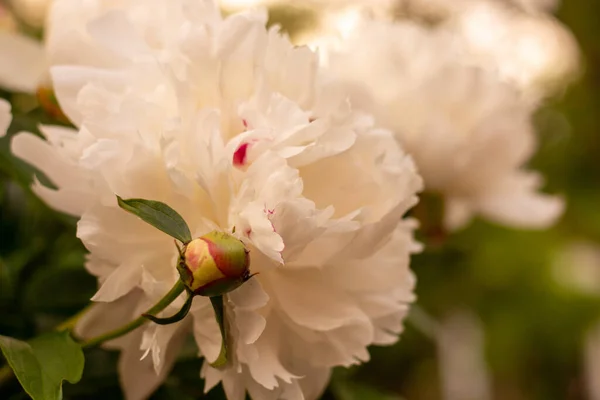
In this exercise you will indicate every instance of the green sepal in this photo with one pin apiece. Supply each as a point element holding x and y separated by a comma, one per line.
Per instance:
<point>159,215</point>
<point>178,316</point>
<point>217,303</point>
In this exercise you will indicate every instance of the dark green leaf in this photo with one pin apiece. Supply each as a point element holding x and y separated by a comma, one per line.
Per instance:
<point>44,363</point>
<point>217,303</point>
<point>159,215</point>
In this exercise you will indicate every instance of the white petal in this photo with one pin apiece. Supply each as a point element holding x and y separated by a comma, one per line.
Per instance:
<point>457,213</point>
<point>68,81</point>
<point>114,31</point>
<point>156,339</point>
<point>310,302</point>
<point>68,201</point>
<point>138,378</point>
<point>104,317</point>
<point>233,389</point>
<point>120,282</point>
<point>249,296</point>
<point>206,329</point>
<point>261,231</point>
<point>211,376</point>
<point>268,369</point>
<point>314,381</point>
<point>43,156</point>
<point>519,204</point>
<point>251,325</point>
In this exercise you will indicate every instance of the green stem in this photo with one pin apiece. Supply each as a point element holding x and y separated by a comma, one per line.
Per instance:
<point>177,316</point>
<point>177,289</point>
<point>70,323</point>
<point>218,306</point>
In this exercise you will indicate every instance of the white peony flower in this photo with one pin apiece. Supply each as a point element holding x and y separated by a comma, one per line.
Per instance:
<point>5,116</point>
<point>228,124</point>
<point>469,132</point>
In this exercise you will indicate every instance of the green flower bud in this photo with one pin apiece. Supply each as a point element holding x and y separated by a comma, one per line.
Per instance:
<point>214,264</point>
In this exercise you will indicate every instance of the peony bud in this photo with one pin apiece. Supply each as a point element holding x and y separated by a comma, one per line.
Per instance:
<point>214,264</point>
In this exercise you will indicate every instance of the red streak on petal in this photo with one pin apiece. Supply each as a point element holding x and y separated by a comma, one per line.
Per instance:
<point>239,156</point>
<point>221,260</point>
<point>245,123</point>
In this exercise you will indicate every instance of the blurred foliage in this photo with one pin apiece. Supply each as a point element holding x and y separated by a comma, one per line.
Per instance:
<point>533,324</point>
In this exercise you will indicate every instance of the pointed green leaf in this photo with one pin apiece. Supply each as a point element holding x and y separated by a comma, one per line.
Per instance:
<point>217,303</point>
<point>44,363</point>
<point>159,215</point>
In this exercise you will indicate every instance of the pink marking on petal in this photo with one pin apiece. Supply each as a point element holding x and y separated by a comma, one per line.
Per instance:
<point>268,211</point>
<point>240,155</point>
<point>245,123</point>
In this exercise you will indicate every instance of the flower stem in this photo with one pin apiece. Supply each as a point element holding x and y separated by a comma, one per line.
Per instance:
<point>175,291</point>
<point>174,318</point>
<point>70,323</point>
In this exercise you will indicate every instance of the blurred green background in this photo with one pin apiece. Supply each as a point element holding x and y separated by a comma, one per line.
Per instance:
<point>534,314</point>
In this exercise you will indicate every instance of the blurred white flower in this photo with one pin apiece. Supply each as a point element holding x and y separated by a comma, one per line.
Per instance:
<point>517,38</point>
<point>469,132</point>
<point>5,116</point>
<point>535,52</point>
<point>227,123</point>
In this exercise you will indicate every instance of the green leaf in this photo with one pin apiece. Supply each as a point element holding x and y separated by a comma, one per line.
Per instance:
<point>217,303</point>
<point>159,215</point>
<point>44,363</point>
